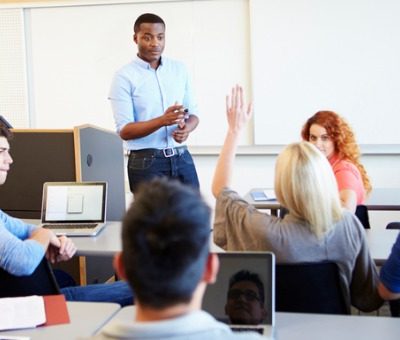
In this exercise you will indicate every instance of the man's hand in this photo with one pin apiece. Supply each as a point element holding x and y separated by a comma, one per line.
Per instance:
<point>173,115</point>
<point>181,133</point>
<point>185,127</point>
<point>60,249</point>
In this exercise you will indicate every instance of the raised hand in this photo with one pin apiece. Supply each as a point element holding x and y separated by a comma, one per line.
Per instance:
<point>236,112</point>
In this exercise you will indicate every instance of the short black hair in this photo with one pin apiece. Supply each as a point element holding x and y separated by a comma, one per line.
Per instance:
<point>165,242</point>
<point>147,18</point>
<point>246,275</point>
<point>5,132</point>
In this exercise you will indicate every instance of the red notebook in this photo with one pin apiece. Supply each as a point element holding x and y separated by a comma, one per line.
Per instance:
<point>56,310</point>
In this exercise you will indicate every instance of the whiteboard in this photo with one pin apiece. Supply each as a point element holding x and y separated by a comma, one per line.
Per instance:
<point>75,50</point>
<point>341,55</point>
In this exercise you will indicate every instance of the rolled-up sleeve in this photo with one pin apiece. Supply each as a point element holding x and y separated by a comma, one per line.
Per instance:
<point>121,101</point>
<point>18,255</point>
<point>239,225</point>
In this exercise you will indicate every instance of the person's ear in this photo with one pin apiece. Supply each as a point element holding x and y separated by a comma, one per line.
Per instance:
<point>212,268</point>
<point>135,38</point>
<point>119,267</point>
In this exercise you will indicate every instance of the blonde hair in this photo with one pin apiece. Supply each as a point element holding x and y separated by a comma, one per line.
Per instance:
<point>305,184</point>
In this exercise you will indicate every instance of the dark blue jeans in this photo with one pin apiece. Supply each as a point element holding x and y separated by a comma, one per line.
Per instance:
<point>145,167</point>
<point>118,292</point>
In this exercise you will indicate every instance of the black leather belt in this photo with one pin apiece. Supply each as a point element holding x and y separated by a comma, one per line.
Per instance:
<point>167,152</point>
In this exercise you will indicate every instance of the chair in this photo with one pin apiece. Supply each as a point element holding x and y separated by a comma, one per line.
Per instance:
<point>40,282</point>
<point>362,214</point>
<point>394,305</point>
<point>310,288</point>
<point>393,225</point>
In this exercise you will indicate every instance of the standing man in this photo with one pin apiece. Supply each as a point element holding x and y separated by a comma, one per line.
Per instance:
<point>154,109</point>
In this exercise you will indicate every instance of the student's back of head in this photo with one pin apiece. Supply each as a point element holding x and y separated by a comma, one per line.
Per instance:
<point>165,242</point>
<point>305,184</point>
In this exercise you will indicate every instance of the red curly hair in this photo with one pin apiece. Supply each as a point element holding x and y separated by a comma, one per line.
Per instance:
<point>343,139</point>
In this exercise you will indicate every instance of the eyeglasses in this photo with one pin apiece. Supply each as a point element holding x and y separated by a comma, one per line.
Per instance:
<point>249,295</point>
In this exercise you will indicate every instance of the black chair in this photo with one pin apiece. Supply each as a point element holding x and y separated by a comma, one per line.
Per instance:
<point>40,282</point>
<point>394,305</point>
<point>310,288</point>
<point>393,225</point>
<point>362,214</point>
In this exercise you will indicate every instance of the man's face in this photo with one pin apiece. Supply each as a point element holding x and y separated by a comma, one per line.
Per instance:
<point>151,42</point>
<point>244,305</point>
<point>5,159</point>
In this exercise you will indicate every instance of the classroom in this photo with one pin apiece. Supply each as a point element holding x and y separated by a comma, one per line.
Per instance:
<point>292,57</point>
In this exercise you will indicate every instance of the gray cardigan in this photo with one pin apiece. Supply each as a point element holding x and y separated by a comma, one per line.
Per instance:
<point>240,226</point>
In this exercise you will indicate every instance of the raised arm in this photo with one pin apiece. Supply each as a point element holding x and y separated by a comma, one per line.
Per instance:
<point>237,115</point>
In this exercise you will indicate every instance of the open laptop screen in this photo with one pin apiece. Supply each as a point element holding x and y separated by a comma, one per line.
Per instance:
<point>250,300</point>
<point>70,202</point>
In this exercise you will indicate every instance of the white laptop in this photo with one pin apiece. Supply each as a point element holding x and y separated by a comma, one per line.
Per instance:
<point>74,208</point>
<point>249,304</point>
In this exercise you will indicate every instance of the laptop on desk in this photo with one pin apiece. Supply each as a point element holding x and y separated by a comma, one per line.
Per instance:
<point>74,208</point>
<point>249,304</point>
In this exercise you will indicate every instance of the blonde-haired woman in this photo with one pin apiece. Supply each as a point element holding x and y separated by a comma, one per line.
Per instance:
<point>316,227</point>
<point>331,134</point>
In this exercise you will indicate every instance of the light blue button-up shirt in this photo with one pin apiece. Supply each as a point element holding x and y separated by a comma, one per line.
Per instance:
<point>140,93</point>
<point>18,255</point>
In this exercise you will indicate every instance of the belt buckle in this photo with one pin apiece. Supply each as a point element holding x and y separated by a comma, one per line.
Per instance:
<point>169,152</point>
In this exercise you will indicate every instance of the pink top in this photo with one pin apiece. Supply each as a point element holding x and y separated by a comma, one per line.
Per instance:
<point>348,177</point>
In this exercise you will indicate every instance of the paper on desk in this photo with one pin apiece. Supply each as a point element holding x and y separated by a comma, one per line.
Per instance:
<point>21,312</point>
<point>270,193</point>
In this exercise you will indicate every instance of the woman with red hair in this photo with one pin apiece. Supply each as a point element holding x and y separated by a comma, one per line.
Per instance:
<point>332,135</point>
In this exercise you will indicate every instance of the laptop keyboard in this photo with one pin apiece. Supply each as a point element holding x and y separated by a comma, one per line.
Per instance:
<point>68,226</point>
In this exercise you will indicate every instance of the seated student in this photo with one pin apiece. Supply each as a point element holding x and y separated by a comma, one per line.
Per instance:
<point>165,258</point>
<point>389,286</point>
<point>331,134</point>
<point>22,247</point>
<point>245,299</point>
<point>316,227</point>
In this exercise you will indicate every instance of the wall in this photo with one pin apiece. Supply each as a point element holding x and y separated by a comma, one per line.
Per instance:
<point>310,55</point>
<point>73,50</point>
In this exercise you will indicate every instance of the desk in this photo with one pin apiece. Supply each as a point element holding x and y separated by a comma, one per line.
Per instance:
<point>379,199</point>
<point>86,318</point>
<point>384,199</point>
<point>108,242</point>
<point>317,326</point>
<point>380,243</point>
